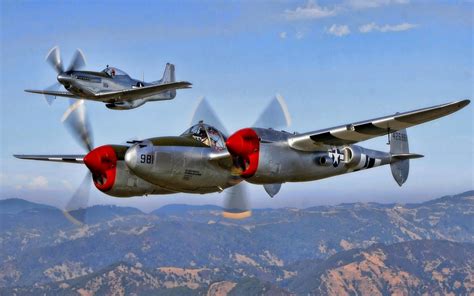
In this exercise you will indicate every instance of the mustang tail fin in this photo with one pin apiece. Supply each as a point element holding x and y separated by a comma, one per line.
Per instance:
<point>400,156</point>
<point>168,77</point>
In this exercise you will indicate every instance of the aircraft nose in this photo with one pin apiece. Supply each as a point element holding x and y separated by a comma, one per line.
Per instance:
<point>63,78</point>
<point>131,157</point>
<point>139,156</point>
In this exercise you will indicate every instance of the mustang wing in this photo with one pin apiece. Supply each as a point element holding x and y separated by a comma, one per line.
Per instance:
<point>143,92</point>
<point>52,93</point>
<point>57,158</point>
<point>364,130</point>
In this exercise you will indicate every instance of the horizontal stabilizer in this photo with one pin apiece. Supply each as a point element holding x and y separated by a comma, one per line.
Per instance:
<point>403,156</point>
<point>56,158</point>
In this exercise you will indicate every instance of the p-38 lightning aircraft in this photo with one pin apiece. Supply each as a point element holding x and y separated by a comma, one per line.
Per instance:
<point>205,159</point>
<point>111,86</point>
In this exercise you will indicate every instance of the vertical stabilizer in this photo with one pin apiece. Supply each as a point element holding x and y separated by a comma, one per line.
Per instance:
<point>168,77</point>
<point>400,166</point>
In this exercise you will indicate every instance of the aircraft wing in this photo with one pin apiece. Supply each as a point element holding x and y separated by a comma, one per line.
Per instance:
<point>364,130</point>
<point>143,92</point>
<point>52,93</point>
<point>56,158</point>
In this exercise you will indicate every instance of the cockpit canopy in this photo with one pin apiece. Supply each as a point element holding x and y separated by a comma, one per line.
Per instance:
<point>207,135</point>
<point>112,72</point>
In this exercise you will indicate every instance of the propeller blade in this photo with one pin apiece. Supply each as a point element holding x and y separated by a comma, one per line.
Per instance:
<point>236,204</point>
<point>205,113</point>
<point>76,120</point>
<point>275,115</point>
<point>75,209</point>
<point>78,61</point>
<point>54,59</point>
<point>51,98</point>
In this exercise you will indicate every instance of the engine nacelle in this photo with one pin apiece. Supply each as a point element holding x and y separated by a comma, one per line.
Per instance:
<point>111,175</point>
<point>258,155</point>
<point>128,184</point>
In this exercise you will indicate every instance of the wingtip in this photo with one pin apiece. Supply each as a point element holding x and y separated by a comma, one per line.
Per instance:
<point>186,84</point>
<point>463,103</point>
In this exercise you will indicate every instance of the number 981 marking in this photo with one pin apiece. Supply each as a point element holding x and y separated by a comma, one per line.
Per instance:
<point>146,158</point>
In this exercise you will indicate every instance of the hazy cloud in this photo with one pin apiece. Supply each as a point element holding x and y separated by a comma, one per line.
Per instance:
<point>338,30</point>
<point>311,10</point>
<point>67,185</point>
<point>39,182</point>
<point>299,35</point>
<point>362,4</point>
<point>20,181</point>
<point>283,35</point>
<point>367,28</point>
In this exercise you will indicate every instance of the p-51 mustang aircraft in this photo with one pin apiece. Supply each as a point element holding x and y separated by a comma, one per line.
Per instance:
<point>204,159</point>
<point>111,86</point>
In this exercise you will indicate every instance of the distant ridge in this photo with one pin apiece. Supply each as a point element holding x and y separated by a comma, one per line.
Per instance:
<point>17,205</point>
<point>185,248</point>
<point>449,198</point>
<point>173,209</point>
<point>404,268</point>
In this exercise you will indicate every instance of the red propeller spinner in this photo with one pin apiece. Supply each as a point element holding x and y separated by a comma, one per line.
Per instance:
<point>244,145</point>
<point>102,162</point>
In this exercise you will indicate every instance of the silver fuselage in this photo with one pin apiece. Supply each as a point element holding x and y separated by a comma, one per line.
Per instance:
<point>164,169</point>
<point>87,84</point>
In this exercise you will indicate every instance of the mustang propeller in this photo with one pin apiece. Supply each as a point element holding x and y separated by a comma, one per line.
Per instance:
<point>236,203</point>
<point>54,59</point>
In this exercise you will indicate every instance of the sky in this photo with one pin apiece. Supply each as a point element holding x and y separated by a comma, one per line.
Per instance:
<point>334,62</point>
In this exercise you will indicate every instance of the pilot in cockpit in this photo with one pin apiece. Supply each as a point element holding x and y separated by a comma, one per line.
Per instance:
<point>207,135</point>
<point>215,138</point>
<point>110,71</point>
<point>198,132</point>
<point>202,136</point>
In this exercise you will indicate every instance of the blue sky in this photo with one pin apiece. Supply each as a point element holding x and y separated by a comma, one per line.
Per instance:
<point>335,62</point>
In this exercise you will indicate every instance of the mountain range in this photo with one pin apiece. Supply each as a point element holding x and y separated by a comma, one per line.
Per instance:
<point>358,248</point>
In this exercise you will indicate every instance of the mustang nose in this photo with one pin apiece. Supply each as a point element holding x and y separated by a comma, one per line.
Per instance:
<point>63,78</point>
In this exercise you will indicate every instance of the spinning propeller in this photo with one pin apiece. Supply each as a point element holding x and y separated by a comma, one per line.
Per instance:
<point>76,120</point>
<point>275,115</point>
<point>54,59</point>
